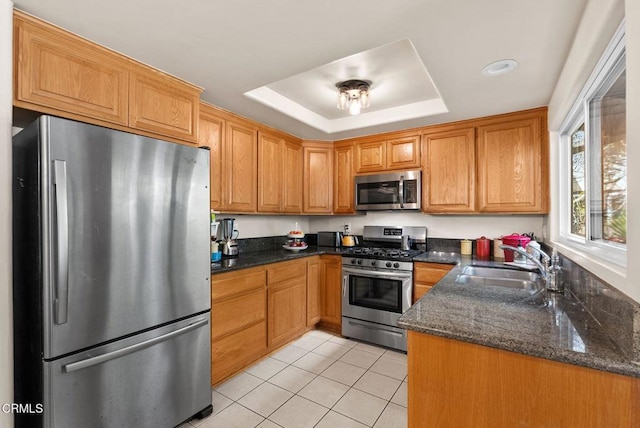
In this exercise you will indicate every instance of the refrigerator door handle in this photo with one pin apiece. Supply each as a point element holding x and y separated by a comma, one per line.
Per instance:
<point>61,298</point>
<point>83,364</point>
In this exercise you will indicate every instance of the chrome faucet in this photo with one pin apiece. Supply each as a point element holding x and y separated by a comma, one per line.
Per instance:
<point>543,266</point>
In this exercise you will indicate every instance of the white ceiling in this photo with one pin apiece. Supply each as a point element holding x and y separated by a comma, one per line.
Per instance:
<point>292,48</point>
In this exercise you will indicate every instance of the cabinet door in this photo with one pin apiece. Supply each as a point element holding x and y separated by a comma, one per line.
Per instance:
<point>318,170</point>
<point>292,177</point>
<point>403,153</point>
<point>61,71</point>
<point>425,276</point>
<point>511,158</point>
<point>332,291</point>
<point>286,303</point>
<point>370,157</point>
<point>343,185</point>
<point>314,296</point>
<point>163,105</point>
<point>270,169</point>
<point>449,171</point>
<point>240,167</point>
<point>211,135</point>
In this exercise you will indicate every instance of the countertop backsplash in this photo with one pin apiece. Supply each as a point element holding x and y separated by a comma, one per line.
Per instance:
<point>618,314</point>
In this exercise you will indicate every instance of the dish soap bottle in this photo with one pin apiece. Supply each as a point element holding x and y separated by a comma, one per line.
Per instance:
<point>555,273</point>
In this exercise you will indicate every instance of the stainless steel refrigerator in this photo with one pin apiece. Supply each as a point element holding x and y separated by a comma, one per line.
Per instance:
<point>111,278</point>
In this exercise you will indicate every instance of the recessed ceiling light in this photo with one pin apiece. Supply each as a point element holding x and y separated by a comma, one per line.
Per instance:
<point>499,67</point>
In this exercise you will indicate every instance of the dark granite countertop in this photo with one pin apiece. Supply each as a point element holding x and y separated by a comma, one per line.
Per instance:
<point>506,319</point>
<point>258,258</point>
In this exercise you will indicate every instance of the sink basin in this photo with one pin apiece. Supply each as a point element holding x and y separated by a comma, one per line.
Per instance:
<point>529,286</point>
<point>499,273</point>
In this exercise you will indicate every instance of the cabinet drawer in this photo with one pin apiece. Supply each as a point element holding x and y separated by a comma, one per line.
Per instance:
<point>430,273</point>
<point>235,314</point>
<point>228,284</point>
<point>234,352</point>
<point>286,271</point>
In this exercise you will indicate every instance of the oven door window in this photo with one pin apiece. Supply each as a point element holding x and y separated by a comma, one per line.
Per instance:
<point>386,192</point>
<point>375,293</point>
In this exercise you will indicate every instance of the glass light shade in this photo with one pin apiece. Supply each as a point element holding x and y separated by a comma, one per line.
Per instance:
<point>343,100</point>
<point>354,106</point>
<point>364,98</point>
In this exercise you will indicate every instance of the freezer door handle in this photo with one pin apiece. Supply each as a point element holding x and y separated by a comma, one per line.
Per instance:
<point>83,364</point>
<point>61,297</point>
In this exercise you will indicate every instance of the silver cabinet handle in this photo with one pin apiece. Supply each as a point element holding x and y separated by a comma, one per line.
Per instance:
<point>83,364</point>
<point>61,298</point>
<point>401,191</point>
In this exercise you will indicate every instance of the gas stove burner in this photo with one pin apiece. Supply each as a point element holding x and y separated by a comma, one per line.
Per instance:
<point>382,253</point>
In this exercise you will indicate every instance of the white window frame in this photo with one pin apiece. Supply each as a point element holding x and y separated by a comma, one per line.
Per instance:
<point>578,114</point>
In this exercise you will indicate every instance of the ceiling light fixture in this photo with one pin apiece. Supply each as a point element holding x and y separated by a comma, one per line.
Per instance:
<point>354,95</point>
<point>499,67</point>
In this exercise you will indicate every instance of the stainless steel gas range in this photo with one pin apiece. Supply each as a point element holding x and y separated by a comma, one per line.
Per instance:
<point>377,283</point>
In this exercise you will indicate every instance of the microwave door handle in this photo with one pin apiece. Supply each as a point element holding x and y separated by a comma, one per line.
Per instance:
<point>401,191</point>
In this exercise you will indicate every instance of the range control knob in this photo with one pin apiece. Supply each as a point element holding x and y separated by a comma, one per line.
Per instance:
<point>353,261</point>
<point>388,264</point>
<point>359,261</point>
<point>396,265</point>
<point>374,263</point>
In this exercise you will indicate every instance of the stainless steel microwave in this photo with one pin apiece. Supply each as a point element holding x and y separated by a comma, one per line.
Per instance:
<point>392,191</point>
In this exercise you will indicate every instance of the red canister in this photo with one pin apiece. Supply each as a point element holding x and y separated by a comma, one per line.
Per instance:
<point>483,247</point>
<point>514,240</point>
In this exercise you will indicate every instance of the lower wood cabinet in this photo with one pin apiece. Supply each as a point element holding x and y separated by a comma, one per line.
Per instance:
<point>286,301</point>
<point>257,310</point>
<point>238,321</point>
<point>425,276</point>
<point>459,384</point>
<point>331,277</point>
<point>314,291</point>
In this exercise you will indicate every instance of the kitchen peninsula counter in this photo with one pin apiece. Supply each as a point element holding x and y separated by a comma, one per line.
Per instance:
<point>501,318</point>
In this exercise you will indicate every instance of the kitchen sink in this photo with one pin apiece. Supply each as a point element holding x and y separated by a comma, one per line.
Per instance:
<point>529,282</point>
<point>529,286</point>
<point>499,273</point>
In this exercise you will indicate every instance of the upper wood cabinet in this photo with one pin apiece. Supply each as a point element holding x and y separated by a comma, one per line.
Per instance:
<point>211,135</point>
<point>343,183</point>
<point>371,156</point>
<point>513,166</point>
<point>279,174</point>
<point>292,177</point>
<point>270,172</point>
<point>497,164</point>
<point>449,171</point>
<point>317,172</point>
<point>240,166</point>
<point>398,151</point>
<point>163,105</point>
<point>403,152</point>
<point>60,73</point>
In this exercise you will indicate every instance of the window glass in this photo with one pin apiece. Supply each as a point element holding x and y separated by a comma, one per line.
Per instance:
<point>609,161</point>
<point>578,191</point>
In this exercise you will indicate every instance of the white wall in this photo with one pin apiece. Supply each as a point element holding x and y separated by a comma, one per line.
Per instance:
<point>445,226</point>
<point>6,277</point>
<point>441,226</point>
<point>258,226</point>
<point>600,21</point>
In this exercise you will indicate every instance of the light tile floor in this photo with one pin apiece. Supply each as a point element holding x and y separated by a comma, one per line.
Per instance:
<point>319,380</point>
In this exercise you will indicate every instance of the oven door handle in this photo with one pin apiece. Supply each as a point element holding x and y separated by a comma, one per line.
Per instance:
<point>377,274</point>
<point>345,280</point>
